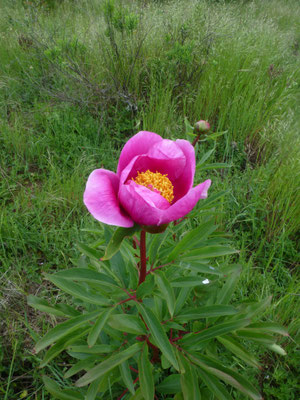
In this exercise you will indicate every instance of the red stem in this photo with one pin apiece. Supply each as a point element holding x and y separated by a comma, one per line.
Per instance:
<point>133,369</point>
<point>143,262</point>
<point>126,390</point>
<point>125,300</point>
<point>177,338</point>
<point>159,267</point>
<point>195,140</point>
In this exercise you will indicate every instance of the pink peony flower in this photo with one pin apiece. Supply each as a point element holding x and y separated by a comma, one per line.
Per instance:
<point>152,186</point>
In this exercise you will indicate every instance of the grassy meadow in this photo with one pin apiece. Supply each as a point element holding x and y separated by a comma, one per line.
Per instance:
<point>78,78</point>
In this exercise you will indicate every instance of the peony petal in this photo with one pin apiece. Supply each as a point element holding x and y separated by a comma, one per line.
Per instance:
<point>143,205</point>
<point>130,171</point>
<point>100,198</point>
<point>185,181</point>
<point>173,168</point>
<point>137,145</point>
<point>168,150</point>
<point>184,205</point>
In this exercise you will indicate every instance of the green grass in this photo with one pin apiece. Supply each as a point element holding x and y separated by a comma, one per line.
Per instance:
<point>78,79</point>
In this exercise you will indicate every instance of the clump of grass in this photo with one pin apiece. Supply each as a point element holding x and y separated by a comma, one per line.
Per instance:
<point>284,215</point>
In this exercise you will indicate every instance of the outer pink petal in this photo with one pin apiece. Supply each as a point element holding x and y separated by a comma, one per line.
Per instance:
<point>185,181</point>
<point>145,207</point>
<point>100,198</point>
<point>137,145</point>
<point>184,205</point>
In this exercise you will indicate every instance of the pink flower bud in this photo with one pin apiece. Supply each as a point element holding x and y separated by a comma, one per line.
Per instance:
<point>202,126</point>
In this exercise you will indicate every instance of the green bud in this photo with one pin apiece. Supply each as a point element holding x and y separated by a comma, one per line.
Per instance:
<point>202,126</point>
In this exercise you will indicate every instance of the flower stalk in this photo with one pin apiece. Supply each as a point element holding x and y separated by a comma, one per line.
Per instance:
<point>143,260</point>
<point>201,127</point>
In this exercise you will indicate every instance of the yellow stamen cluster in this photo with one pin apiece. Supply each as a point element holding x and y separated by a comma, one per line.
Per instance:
<point>155,180</point>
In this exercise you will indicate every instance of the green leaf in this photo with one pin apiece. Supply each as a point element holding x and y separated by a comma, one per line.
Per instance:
<point>173,325</point>
<point>116,240</point>
<point>205,156</point>
<point>164,362</point>
<point>146,375</point>
<point>188,282</point>
<point>225,294</point>
<point>208,252</point>
<point>238,350</point>
<point>93,390</point>
<point>126,376</point>
<point>107,365</point>
<point>138,395</point>
<point>98,326</point>
<point>53,388</point>
<point>59,310</point>
<point>204,312</point>
<point>96,349</point>
<point>199,267</point>
<point>107,380</point>
<point>182,298</point>
<point>215,386</point>
<point>191,239</point>
<point>214,331</point>
<point>215,135</point>
<point>277,349</point>
<point>259,337</point>
<point>62,344</point>
<point>166,290</point>
<point>188,379</point>
<point>156,243</point>
<point>119,268</point>
<point>253,309</point>
<point>127,323</point>
<point>227,375</point>
<point>86,275</point>
<point>64,329</point>
<point>269,327</point>
<point>190,135</point>
<point>170,385</point>
<point>78,291</point>
<point>106,266</point>
<point>88,251</point>
<point>84,364</point>
<point>188,126</point>
<point>146,287</point>
<point>159,335</point>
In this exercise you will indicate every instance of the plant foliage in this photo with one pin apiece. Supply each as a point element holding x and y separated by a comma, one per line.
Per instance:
<point>179,332</point>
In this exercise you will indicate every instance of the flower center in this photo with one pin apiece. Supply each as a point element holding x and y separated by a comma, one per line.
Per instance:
<point>155,180</point>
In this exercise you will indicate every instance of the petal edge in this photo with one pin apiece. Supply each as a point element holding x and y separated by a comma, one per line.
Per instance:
<point>101,199</point>
<point>184,205</point>
<point>139,144</point>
